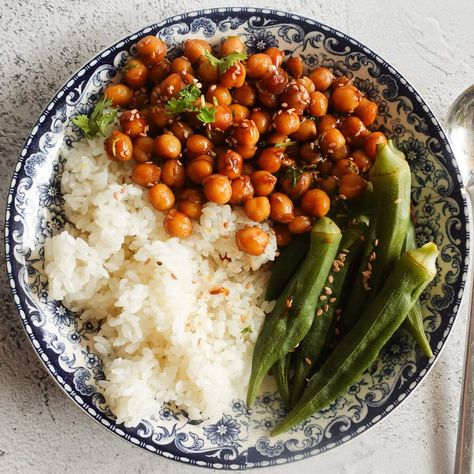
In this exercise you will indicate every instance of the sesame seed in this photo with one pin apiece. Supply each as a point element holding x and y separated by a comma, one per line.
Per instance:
<point>330,278</point>
<point>284,104</point>
<point>332,300</point>
<point>326,307</point>
<point>398,201</point>
<point>376,243</point>
<point>342,196</point>
<point>307,360</point>
<point>323,297</point>
<point>289,302</point>
<point>319,312</point>
<point>327,290</point>
<point>337,332</point>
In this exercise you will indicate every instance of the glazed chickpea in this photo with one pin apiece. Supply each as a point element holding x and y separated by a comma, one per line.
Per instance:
<point>167,146</point>
<point>199,169</point>
<point>217,188</point>
<point>322,78</point>
<point>282,234</point>
<point>308,84</point>
<point>270,159</point>
<point>281,208</point>
<point>143,149</point>
<point>328,184</point>
<point>173,173</point>
<point>340,81</point>
<point>362,160</point>
<point>343,167</point>
<point>366,111</point>
<point>294,67</point>
<point>371,141</point>
<point>352,186</point>
<point>242,190</point>
<point>119,147</point>
<point>195,48</point>
<point>178,224</point>
<point>171,86</point>
<point>161,197</point>
<point>353,130</point>
<point>151,49</point>
<point>245,95</point>
<point>345,98</point>
<point>119,94</point>
<point>181,130</point>
<point>318,105</point>
<point>221,94</point>
<point>296,187</point>
<point>258,65</point>
<point>230,164</point>
<point>192,195</point>
<point>246,133</point>
<point>262,120</point>
<point>275,55</point>
<point>160,116</point>
<point>257,208</point>
<point>315,202</point>
<point>263,182</point>
<point>133,124</point>
<point>207,71</point>
<point>190,203</point>
<point>286,122</point>
<point>223,118</point>
<point>135,73</point>
<point>232,44</point>
<point>246,151</point>
<point>300,224</point>
<point>199,144</point>
<point>307,131</point>
<point>251,240</point>
<point>239,113</point>
<point>295,97</point>
<point>268,100</point>
<point>325,167</point>
<point>140,99</point>
<point>327,122</point>
<point>234,76</point>
<point>273,82</point>
<point>331,140</point>
<point>310,153</point>
<point>146,174</point>
<point>158,72</point>
<point>274,138</point>
<point>181,64</point>
<point>340,153</point>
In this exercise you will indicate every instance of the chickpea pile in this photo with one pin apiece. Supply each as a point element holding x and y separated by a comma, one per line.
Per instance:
<point>278,142</point>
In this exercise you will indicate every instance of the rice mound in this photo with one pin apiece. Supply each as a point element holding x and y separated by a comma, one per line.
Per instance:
<point>171,311</point>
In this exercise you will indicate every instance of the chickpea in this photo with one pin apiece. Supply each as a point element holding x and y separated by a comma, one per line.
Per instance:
<point>270,159</point>
<point>275,55</point>
<point>133,124</point>
<point>181,130</point>
<point>178,224</point>
<point>308,84</point>
<point>251,240</point>
<point>246,151</point>
<point>341,81</point>
<point>239,112</point>
<point>316,202</point>
<point>232,44</point>
<point>135,74</point>
<point>199,144</point>
<point>146,174</point>
<point>119,94</point>
<point>371,141</point>
<point>362,160</point>
<point>325,167</point>
<point>307,131</point>
<point>328,184</point>
<point>192,195</point>
<point>181,64</point>
<point>258,65</point>
<point>331,140</point>
<point>230,164</point>
<point>158,72</point>
<point>262,120</point>
<point>217,188</point>
<point>246,133</point>
<point>343,167</point>
<point>263,182</point>
<point>282,234</point>
<point>234,76</point>
<point>245,95</point>
<point>217,136</point>
<point>352,186</point>
<point>300,224</point>
<point>345,98</point>
<point>354,130</point>
<point>195,48</point>
<point>268,100</point>
<point>151,49</point>
<point>273,82</point>
<point>221,94</point>
<point>296,187</point>
<point>173,173</point>
<point>310,153</point>
<point>322,78</point>
<point>286,122</point>
<point>207,71</point>
<point>199,168</point>
<point>340,153</point>
<point>167,146</point>
<point>171,86</point>
<point>366,111</point>
<point>242,190</point>
<point>140,99</point>
<point>119,147</point>
<point>318,105</point>
<point>294,67</point>
<point>147,114</point>
<point>257,208</point>
<point>295,96</point>
<point>190,203</point>
<point>142,149</point>
<point>282,209</point>
<point>161,116</point>
<point>161,197</point>
<point>327,122</point>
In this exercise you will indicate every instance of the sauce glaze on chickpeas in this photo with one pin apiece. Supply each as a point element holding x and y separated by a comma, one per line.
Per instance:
<point>251,129</point>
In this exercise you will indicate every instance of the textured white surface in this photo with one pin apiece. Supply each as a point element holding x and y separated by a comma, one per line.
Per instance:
<point>43,42</point>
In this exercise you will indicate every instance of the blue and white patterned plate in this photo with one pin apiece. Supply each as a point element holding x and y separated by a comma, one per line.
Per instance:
<point>238,438</point>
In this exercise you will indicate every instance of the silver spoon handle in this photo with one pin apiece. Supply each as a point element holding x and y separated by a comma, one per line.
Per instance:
<point>464,448</point>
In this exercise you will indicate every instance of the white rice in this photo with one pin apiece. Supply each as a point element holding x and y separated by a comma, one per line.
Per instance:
<point>164,336</point>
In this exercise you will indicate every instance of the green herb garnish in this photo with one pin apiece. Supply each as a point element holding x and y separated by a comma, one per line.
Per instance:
<point>100,118</point>
<point>226,62</point>
<point>185,102</point>
<point>293,173</point>
<point>246,330</point>
<point>284,144</point>
<point>207,114</point>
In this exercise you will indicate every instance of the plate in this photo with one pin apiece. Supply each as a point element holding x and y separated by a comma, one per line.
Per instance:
<point>239,437</point>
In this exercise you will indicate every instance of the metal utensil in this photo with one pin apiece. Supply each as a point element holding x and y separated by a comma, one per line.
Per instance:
<point>460,128</point>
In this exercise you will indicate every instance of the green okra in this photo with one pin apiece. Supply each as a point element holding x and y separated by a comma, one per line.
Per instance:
<point>281,372</point>
<point>359,349</point>
<point>293,314</point>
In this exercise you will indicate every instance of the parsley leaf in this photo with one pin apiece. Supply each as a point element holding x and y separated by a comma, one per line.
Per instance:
<point>246,330</point>
<point>226,62</point>
<point>185,100</point>
<point>284,144</point>
<point>100,118</point>
<point>207,114</point>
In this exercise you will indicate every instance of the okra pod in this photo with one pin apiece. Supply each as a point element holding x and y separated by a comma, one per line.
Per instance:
<point>359,349</point>
<point>281,372</point>
<point>293,314</point>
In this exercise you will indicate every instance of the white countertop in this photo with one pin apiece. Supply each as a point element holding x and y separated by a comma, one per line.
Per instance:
<point>43,42</point>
